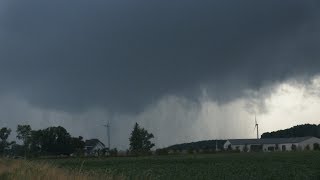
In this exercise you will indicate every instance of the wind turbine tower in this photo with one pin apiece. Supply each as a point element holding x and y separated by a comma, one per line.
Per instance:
<point>256,126</point>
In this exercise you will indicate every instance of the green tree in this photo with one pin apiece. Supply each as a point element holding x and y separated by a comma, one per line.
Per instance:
<point>113,152</point>
<point>140,140</point>
<point>56,141</point>
<point>36,142</point>
<point>163,151</point>
<point>77,145</point>
<point>4,134</point>
<point>296,131</point>
<point>24,134</point>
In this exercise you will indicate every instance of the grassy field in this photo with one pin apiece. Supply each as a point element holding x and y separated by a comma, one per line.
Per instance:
<point>291,165</point>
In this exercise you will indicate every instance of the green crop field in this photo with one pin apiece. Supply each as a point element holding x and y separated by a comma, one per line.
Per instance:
<point>291,165</point>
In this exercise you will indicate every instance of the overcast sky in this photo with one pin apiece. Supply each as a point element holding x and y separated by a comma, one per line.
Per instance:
<point>186,70</point>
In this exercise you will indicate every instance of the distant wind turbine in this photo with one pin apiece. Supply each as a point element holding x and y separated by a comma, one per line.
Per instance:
<point>256,126</point>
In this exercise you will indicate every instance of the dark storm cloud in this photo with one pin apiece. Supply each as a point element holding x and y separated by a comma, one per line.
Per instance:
<point>122,55</point>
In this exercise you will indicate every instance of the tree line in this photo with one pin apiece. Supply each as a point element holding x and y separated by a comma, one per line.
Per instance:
<point>53,141</point>
<point>58,141</point>
<point>296,131</point>
<point>48,141</point>
<point>200,145</point>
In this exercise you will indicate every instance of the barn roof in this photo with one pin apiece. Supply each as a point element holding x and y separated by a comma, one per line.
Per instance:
<point>268,140</point>
<point>93,142</point>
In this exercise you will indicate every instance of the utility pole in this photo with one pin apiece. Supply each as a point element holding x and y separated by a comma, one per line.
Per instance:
<point>108,133</point>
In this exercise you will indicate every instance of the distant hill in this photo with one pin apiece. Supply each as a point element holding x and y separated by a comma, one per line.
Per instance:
<point>208,144</point>
<point>296,131</point>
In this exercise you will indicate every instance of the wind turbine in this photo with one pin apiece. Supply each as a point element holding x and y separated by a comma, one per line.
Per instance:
<point>108,133</point>
<point>256,126</point>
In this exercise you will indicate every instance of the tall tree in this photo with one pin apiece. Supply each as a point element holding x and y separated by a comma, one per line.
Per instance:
<point>56,140</point>
<point>36,142</point>
<point>4,134</point>
<point>140,140</point>
<point>24,134</point>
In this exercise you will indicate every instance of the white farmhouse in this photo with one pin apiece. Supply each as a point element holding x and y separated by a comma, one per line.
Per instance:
<point>93,147</point>
<point>272,144</point>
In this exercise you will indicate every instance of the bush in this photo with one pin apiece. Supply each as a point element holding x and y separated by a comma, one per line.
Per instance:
<point>233,151</point>
<point>307,147</point>
<point>283,148</point>
<point>293,147</point>
<point>208,151</point>
<point>190,151</point>
<point>162,152</point>
<point>271,148</point>
<point>113,152</point>
<point>245,149</point>
<point>316,146</point>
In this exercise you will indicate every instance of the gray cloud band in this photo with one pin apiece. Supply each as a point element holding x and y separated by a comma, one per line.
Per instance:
<point>123,55</point>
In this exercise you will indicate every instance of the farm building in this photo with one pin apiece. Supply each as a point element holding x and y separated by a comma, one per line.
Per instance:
<point>273,144</point>
<point>93,147</point>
